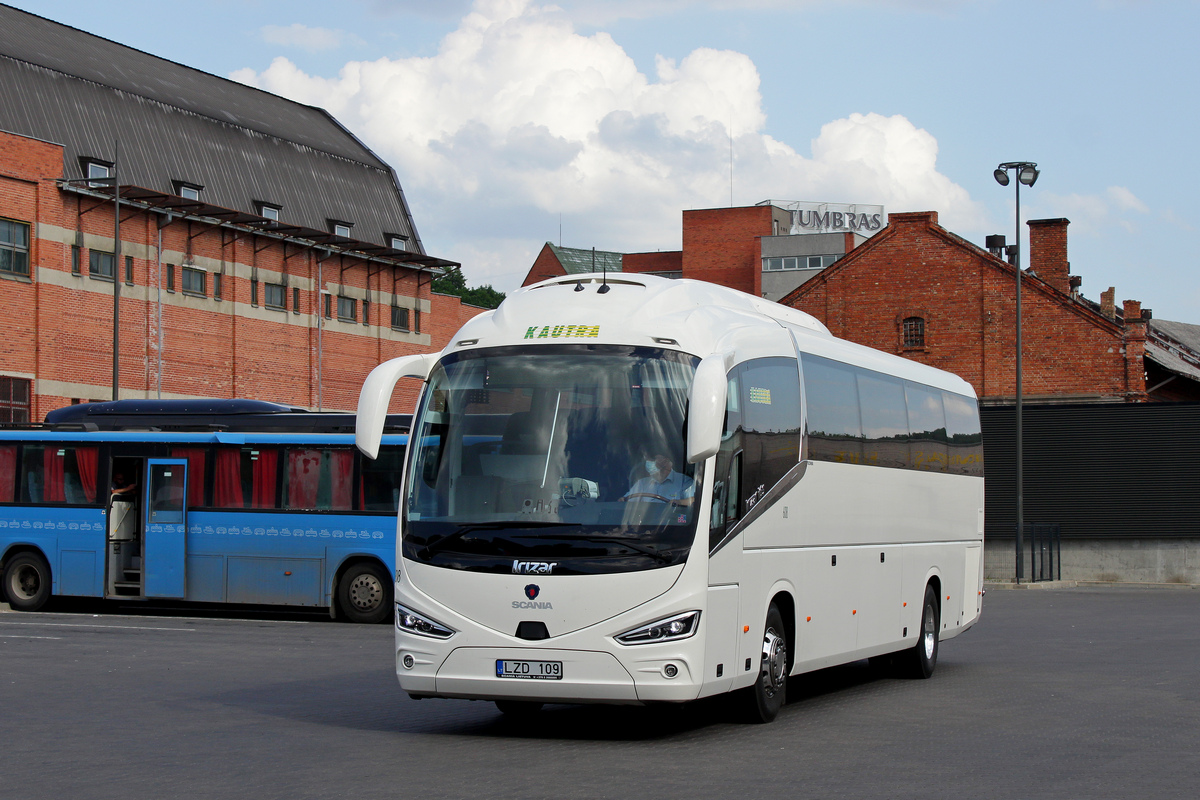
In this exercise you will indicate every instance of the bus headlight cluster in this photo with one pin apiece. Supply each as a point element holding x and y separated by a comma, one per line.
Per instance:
<point>679,626</point>
<point>410,621</point>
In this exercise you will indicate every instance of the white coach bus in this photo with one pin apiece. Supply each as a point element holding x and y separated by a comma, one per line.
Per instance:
<point>628,489</point>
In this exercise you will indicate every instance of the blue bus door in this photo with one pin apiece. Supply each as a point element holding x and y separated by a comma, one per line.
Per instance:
<point>165,525</point>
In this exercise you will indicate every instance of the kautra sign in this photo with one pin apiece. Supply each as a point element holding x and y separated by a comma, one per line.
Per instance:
<point>835,218</point>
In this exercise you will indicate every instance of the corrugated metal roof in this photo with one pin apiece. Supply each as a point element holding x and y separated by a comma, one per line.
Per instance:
<point>1175,346</point>
<point>577,261</point>
<point>176,123</point>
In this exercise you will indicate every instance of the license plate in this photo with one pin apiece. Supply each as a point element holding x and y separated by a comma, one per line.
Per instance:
<point>529,670</point>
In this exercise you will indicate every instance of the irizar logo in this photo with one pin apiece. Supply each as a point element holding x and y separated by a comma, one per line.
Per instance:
<point>531,591</point>
<point>533,567</point>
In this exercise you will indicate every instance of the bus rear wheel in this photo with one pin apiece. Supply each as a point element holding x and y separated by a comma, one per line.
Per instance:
<point>27,581</point>
<point>365,593</point>
<point>922,658</point>
<point>768,695</point>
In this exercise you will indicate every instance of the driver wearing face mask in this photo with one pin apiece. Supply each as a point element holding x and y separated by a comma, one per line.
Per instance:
<point>662,484</point>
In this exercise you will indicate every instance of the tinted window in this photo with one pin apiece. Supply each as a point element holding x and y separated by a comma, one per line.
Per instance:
<point>381,480</point>
<point>770,401</point>
<point>834,429</point>
<point>927,421</point>
<point>964,439</point>
<point>246,477</point>
<point>321,479</point>
<point>884,420</point>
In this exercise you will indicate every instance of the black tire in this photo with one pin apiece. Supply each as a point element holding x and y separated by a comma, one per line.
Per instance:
<point>769,693</point>
<point>519,709</point>
<point>365,593</point>
<point>920,660</point>
<point>27,581</point>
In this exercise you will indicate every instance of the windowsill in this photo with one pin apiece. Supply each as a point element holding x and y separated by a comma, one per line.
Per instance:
<point>347,319</point>
<point>275,308</point>
<point>190,293</point>
<point>16,276</point>
<point>105,278</point>
<point>401,330</point>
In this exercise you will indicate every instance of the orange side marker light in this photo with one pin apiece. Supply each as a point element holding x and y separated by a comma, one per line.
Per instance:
<point>745,629</point>
<point>855,611</point>
<point>808,620</point>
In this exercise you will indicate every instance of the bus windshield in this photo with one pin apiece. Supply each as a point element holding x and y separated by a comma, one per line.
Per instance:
<point>569,454</point>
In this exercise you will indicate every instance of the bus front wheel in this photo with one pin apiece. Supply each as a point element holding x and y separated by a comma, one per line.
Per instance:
<point>365,593</point>
<point>27,581</point>
<point>769,693</point>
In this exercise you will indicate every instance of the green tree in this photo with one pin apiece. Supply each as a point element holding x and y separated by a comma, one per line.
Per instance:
<point>453,282</point>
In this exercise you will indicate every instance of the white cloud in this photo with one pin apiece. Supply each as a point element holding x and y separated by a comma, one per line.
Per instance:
<point>1093,214</point>
<point>519,118</point>
<point>311,39</point>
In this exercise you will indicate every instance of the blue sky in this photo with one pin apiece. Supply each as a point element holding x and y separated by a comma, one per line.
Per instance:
<point>502,115</point>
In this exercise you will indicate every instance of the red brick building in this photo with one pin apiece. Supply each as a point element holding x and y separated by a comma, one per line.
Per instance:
<point>264,251</point>
<point>918,290</point>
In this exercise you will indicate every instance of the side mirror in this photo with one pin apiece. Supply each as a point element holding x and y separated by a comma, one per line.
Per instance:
<point>376,394</point>
<point>706,409</point>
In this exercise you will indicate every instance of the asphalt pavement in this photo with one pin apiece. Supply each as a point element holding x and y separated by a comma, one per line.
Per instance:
<point>1073,693</point>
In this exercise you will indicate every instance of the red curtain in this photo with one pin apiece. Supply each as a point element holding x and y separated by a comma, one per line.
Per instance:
<point>266,467</point>
<point>341,469</point>
<point>195,457</point>
<point>227,482</point>
<point>303,477</point>
<point>86,460</point>
<point>8,473</point>
<point>52,476</point>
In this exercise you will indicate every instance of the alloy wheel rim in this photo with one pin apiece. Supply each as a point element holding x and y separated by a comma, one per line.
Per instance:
<point>930,634</point>
<point>774,662</point>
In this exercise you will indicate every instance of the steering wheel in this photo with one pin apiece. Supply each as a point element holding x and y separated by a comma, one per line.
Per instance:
<point>648,494</point>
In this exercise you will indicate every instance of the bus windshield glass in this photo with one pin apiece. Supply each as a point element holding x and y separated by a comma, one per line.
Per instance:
<point>569,454</point>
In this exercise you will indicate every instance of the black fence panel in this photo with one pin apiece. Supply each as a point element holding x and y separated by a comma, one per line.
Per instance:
<point>1099,471</point>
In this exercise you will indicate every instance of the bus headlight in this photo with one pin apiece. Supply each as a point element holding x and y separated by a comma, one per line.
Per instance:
<point>667,629</point>
<point>410,621</point>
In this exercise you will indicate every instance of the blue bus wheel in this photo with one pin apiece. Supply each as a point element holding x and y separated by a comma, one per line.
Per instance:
<point>365,593</point>
<point>27,581</point>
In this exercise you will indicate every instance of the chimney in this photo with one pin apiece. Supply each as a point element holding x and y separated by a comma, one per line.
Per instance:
<point>995,244</point>
<point>1048,252</point>
<point>1108,304</point>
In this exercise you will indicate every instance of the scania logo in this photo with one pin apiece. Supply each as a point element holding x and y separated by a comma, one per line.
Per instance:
<point>533,567</point>
<point>531,591</point>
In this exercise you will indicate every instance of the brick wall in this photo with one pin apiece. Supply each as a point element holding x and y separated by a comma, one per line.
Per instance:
<point>545,266</point>
<point>659,261</point>
<point>721,245</point>
<point>59,326</point>
<point>915,268</point>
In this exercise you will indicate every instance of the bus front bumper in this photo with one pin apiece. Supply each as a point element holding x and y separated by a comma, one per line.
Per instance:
<point>588,676</point>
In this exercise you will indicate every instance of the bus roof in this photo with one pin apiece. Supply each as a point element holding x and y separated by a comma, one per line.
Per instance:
<point>238,414</point>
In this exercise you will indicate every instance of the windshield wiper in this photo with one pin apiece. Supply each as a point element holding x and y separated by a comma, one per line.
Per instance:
<point>630,542</point>
<point>441,543</point>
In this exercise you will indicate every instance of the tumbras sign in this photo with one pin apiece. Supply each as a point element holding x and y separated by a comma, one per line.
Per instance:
<point>835,218</point>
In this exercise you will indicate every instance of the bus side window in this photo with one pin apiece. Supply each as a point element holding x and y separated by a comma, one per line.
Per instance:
<point>8,473</point>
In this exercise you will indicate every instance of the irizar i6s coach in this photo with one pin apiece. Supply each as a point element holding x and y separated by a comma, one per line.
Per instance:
<point>629,489</point>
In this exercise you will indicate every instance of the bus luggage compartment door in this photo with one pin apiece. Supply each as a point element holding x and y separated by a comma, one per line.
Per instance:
<point>165,526</point>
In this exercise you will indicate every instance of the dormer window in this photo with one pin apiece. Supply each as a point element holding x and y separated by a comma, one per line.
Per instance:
<point>97,170</point>
<point>340,228</point>
<point>269,211</point>
<point>397,241</point>
<point>186,190</point>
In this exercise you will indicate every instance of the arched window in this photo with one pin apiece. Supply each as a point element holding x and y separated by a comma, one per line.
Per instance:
<point>914,331</point>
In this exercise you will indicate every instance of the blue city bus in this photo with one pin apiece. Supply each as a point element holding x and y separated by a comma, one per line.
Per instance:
<point>232,501</point>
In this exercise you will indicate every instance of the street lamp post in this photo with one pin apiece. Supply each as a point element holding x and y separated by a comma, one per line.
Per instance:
<point>1027,173</point>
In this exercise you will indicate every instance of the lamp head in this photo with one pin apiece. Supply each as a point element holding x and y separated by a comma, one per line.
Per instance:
<point>1028,174</point>
<point>1001,176</point>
